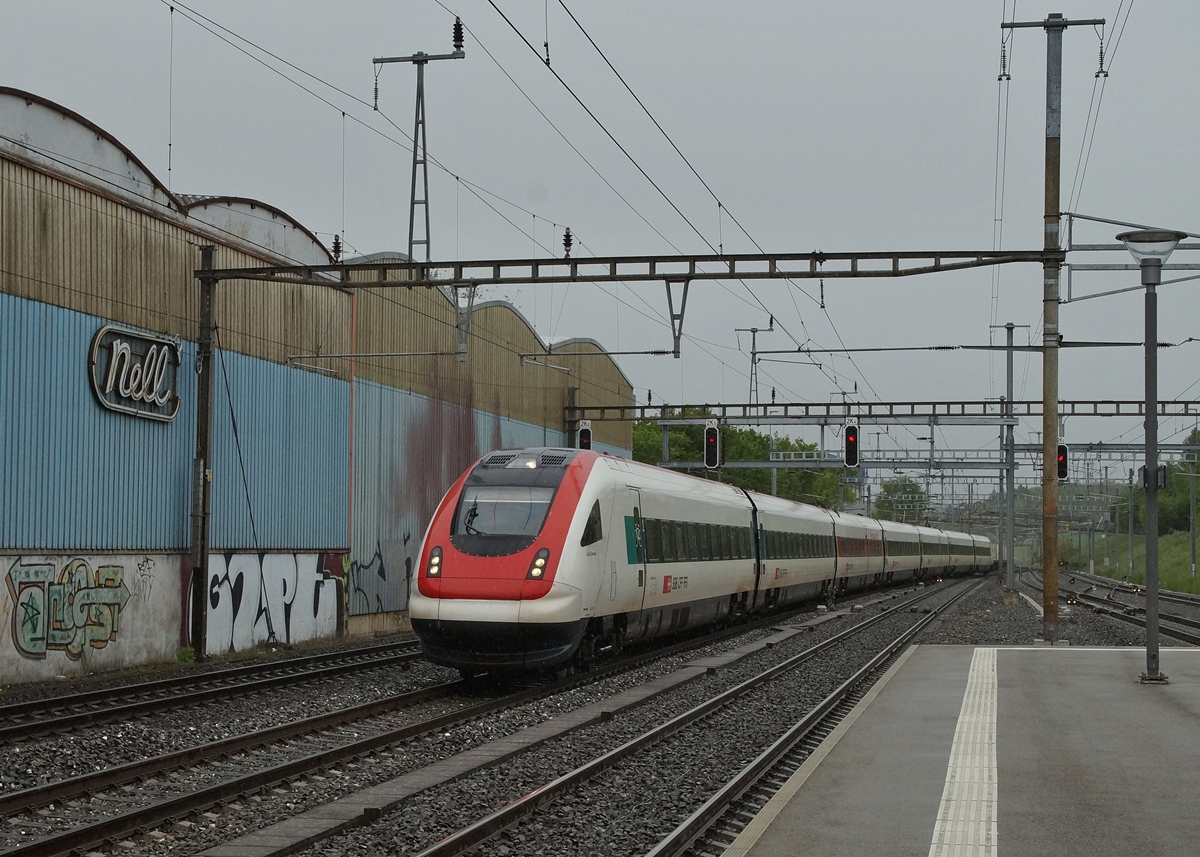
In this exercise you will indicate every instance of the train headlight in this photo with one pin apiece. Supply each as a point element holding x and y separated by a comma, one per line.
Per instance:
<point>434,569</point>
<point>538,567</point>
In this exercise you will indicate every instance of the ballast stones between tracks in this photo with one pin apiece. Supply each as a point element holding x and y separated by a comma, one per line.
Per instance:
<point>352,810</point>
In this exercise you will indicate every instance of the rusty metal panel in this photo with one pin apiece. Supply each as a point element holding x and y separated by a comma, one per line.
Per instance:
<point>292,446</point>
<point>73,475</point>
<point>408,450</point>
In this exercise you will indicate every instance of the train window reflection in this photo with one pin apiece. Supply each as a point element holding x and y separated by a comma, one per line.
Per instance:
<point>503,510</point>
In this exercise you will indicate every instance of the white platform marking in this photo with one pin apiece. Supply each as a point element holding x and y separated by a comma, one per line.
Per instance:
<point>966,822</point>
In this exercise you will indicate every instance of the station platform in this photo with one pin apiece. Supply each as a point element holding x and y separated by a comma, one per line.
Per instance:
<point>963,751</point>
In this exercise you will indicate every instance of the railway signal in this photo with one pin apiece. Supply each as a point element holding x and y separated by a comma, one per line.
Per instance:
<point>585,434</point>
<point>1063,462</point>
<point>850,435</point>
<point>712,445</point>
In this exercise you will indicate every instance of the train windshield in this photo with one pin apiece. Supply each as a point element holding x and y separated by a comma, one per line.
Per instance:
<point>502,510</point>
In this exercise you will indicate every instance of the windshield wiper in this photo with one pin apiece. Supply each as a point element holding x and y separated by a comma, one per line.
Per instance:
<point>471,515</point>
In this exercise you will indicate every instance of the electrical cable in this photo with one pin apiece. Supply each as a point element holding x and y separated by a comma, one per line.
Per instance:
<point>720,206</point>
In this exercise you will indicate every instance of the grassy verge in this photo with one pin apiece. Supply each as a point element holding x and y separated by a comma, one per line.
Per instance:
<point>1174,559</point>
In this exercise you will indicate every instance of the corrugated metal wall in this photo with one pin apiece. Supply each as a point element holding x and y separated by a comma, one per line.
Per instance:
<point>74,476</point>
<point>293,427</point>
<point>77,477</point>
<point>69,246</point>
<point>408,450</point>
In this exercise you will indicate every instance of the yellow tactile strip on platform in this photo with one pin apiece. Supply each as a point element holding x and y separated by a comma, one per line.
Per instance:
<point>966,822</point>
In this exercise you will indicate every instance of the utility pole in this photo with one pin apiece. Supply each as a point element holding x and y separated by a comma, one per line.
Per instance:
<point>420,158</point>
<point>1192,516</point>
<point>1009,476</point>
<point>774,471</point>
<point>202,463</point>
<point>753,331</point>
<point>1131,523</point>
<point>1054,25</point>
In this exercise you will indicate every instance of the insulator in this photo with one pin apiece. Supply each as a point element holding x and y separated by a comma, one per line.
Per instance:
<point>568,241</point>
<point>822,294</point>
<point>458,34</point>
<point>376,93</point>
<point>337,247</point>
<point>1101,72</point>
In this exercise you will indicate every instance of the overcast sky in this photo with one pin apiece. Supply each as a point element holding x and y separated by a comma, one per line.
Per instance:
<point>868,125</point>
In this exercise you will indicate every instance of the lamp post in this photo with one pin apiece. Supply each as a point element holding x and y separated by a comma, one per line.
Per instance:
<point>1150,249</point>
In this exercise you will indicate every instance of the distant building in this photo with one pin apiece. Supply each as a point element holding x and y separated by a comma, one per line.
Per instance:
<point>320,499</point>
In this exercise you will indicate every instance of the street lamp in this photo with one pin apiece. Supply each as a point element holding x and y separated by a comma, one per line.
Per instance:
<point>1150,249</point>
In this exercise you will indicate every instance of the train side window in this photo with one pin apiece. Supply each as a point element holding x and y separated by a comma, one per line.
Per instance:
<point>693,540</point>
<point>726,550</point>
<point>681,545</point>
<point>654,543</point>
<point>794,538</point>
<point>706,551</point>
<point>744,536</point>
<point>668,541</point>
<point>592,531</point>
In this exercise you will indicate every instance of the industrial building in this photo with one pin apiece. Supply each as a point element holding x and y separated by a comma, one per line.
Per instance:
<point>325,470</point>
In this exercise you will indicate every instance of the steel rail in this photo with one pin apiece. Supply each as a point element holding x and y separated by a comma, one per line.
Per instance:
<point>54,719</point>
<point>1100,606</point>
<point>39,706</point>
<point>682,837</point>
<point>1124,615</point>
<point>115,827</point>
<point>464,840</point>
<point>36,797</point>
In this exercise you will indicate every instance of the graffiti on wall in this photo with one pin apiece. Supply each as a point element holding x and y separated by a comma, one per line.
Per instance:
<point>266,598</point>
<point>71,609</point>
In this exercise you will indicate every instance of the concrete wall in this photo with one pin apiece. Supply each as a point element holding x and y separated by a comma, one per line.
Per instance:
<point>72,615</point>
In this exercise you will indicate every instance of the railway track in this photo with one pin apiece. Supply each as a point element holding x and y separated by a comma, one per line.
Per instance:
<point>31,718</point>
<point>117,822</point>
<point>1178,627</point>
<point>521,823</point>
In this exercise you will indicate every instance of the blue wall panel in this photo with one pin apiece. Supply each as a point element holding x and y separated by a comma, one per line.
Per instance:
<point>74,476</point>
<point>293,427</point>
<point>77,477</point>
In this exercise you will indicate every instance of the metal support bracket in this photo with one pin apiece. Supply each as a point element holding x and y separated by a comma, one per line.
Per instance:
<point>677,317</point>
<point>462,314</point>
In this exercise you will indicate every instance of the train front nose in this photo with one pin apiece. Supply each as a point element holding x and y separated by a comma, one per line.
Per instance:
<point>498,634</point>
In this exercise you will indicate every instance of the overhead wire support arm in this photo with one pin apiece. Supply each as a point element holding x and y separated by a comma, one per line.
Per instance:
<point>672,268</point>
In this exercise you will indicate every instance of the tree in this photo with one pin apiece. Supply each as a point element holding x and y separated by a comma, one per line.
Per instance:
<point>900,499</point>
<point>817,487</point>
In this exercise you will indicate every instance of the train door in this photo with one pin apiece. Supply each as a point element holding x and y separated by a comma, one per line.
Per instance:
<point>758,544</point>
<point>632,582</point>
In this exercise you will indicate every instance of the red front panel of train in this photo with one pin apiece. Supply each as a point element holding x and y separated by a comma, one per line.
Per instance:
<point>506,578</point>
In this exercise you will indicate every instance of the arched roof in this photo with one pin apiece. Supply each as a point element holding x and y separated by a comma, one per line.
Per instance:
<point>58,140</point>
<point>248,219</point>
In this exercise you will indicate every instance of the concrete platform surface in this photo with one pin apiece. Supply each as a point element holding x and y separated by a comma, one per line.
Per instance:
<point>968,751</point>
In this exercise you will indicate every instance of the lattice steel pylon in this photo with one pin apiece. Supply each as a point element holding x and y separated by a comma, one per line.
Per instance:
<point>420,162</point>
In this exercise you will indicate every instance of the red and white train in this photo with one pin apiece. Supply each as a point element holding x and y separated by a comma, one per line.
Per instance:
<point>537,556</point>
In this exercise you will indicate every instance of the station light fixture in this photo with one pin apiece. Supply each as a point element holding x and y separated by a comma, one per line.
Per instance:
<point>1151,248</point>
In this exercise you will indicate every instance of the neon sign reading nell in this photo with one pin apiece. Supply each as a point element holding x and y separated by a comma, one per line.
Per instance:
<point>135,373</point>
